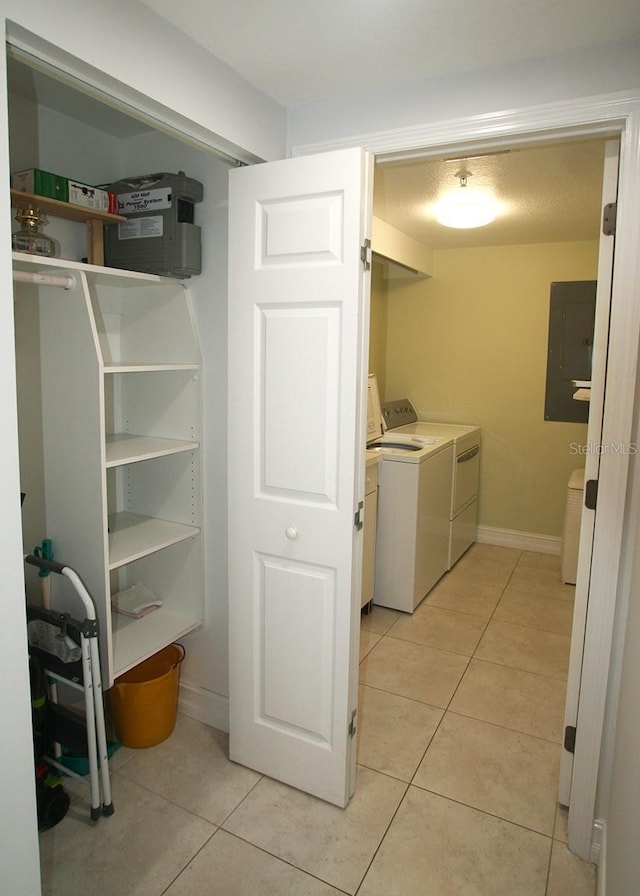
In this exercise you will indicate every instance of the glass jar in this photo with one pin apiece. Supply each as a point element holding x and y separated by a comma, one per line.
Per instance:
<point>28,238</point>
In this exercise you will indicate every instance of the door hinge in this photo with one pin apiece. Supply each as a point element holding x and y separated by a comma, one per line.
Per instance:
<point>609,215</point>
<point>352,724</point>
<point>570,738</point>
<point>365,255</point>
<point>591,494</point>
<point>359,516</point>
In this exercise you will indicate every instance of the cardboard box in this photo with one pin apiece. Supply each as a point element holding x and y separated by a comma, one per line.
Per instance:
<point>42,183</point>
<point>88,197</point>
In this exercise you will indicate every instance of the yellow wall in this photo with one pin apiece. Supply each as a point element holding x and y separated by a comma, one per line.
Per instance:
<point>470,346</point>
<point>378,326</point>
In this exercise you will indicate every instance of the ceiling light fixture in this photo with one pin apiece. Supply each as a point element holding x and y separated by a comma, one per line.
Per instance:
<point>465,208</point>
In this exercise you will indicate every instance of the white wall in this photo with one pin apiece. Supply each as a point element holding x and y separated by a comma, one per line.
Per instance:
<point>42,138</point>
<point>547,80</point>
<point>623,820</point>
<point>619,782</point>
<point>137,48</point>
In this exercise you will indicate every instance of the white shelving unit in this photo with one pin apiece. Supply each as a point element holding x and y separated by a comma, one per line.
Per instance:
<point>121,420</point>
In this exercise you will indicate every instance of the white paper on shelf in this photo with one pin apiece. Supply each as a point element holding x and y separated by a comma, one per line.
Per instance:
<point>136,601</point>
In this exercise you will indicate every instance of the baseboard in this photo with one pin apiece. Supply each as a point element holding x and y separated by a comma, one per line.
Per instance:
<point>206,706</point>
<point>601,858</point>
<point>524,541</point>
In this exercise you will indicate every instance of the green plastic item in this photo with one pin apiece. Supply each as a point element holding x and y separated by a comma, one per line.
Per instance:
<point>45,552</point>
<point>80,764</point>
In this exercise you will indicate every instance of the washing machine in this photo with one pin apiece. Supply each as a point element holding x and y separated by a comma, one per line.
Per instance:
<point>414,502</point>
<point>400,417</point>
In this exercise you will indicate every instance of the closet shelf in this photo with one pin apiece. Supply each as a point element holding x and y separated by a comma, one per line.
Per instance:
<point>135,640</point>
<point>124,367</point>
<point>100,276</point>
<point>132,536</point>
<point>125,448</point>
<point>93,218</point>
<point>20,199</point>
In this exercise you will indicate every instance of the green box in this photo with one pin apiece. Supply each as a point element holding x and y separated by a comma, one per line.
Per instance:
<point>42,183</point>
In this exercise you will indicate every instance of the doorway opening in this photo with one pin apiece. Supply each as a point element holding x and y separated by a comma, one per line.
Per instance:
<point>468,344</point>
<point>475,340</point>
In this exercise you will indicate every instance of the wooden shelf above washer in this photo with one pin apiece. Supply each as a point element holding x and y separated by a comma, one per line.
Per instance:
<point>94,219</point>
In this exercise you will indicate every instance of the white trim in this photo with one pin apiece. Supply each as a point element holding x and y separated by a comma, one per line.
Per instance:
<point>612,514</point>
<point>524,541</point>
<point>610,114</point>
<point>601,880</point>
<point>597,837</point>
<point>585,519</point>
<point>205,706</point>
<point>605,114</point>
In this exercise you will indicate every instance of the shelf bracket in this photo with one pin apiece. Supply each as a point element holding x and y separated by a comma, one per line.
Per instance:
<point>95,241</point>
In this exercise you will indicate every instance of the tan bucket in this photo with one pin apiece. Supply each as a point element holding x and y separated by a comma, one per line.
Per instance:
<point>144,700</point>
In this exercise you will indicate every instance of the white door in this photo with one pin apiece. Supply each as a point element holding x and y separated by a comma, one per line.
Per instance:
<point>589,577</point>
<point>298,332</point>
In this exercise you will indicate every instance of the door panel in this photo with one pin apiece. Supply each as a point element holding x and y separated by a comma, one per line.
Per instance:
<point>298,325</point>
<point>298,369</point>
<point>303,599</point>
<point>305,230</point>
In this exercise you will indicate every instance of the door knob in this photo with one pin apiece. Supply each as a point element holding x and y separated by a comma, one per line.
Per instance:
<point>291,532</point>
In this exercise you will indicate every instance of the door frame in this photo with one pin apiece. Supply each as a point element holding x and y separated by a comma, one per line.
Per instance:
<point>609,115</point>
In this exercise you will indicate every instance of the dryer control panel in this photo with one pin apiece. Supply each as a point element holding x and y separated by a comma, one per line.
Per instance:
<point>399,413</point>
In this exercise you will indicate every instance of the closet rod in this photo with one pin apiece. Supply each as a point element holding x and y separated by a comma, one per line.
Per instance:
<point>44,279</point>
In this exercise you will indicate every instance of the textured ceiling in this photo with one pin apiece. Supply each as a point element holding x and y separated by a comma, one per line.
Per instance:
<point>304,51</point>
<point>549,193</point>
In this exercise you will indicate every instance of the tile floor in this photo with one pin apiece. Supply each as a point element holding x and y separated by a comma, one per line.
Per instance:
<point>461,711</point>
